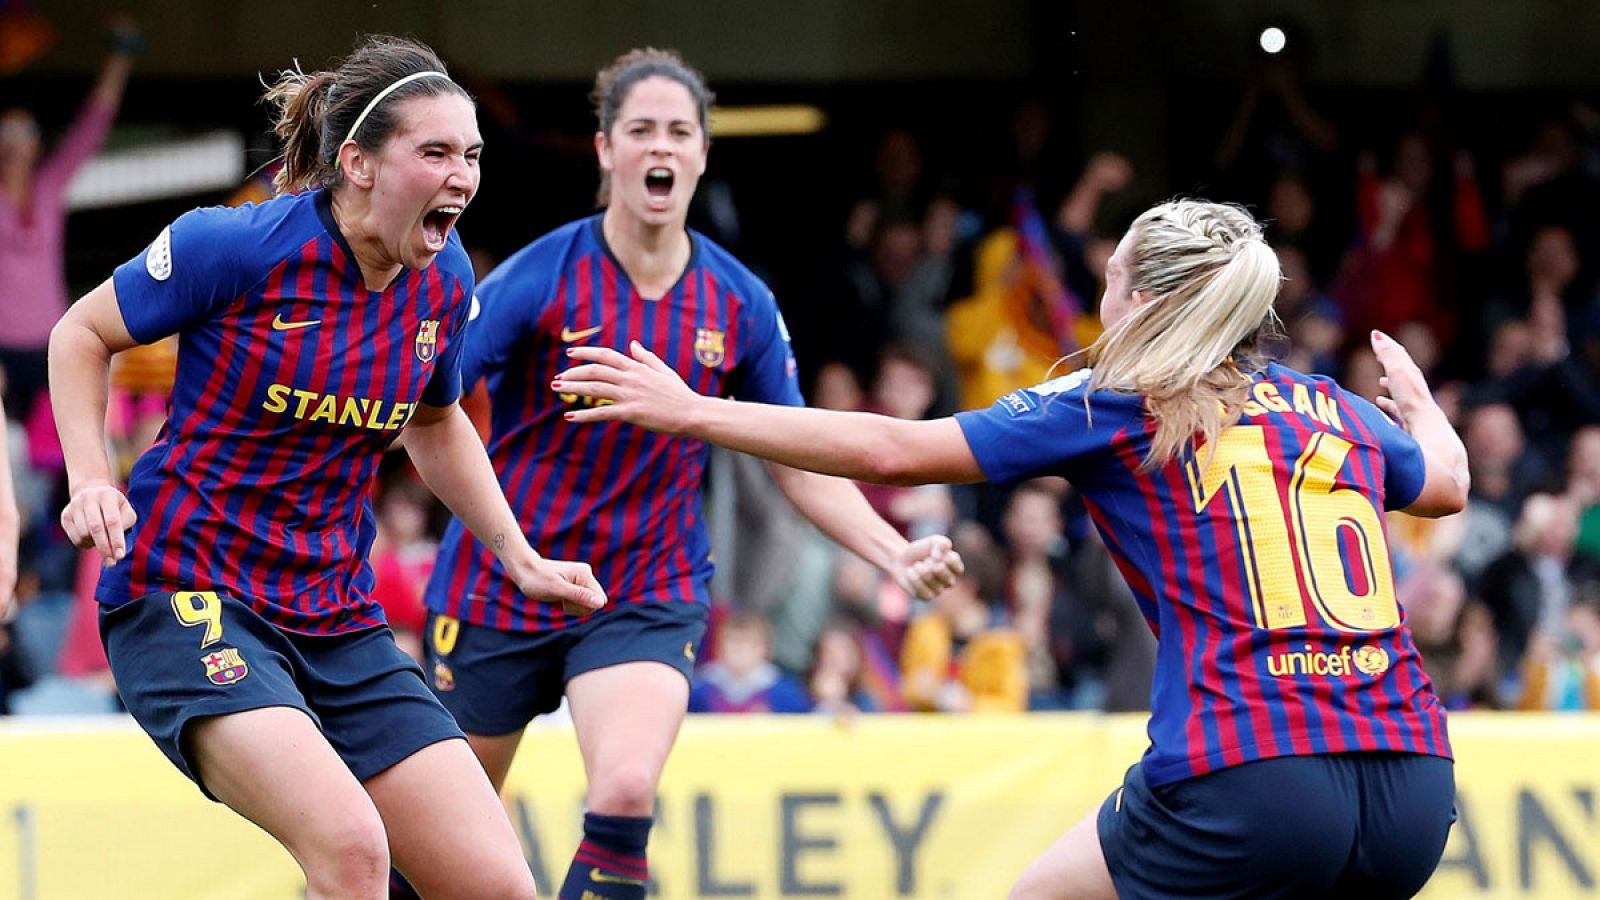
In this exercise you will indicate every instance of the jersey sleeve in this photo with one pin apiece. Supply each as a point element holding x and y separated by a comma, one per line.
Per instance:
<point>767,373</point>
<point>505,308</point>
<point>1046,429</point>
<point>193,269</point>
<point>1404,469</point>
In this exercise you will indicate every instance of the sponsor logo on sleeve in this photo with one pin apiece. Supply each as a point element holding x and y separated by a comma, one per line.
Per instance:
<point>1019,403</point>
<point>158,259</point>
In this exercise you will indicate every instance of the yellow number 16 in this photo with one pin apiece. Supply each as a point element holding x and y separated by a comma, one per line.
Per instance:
<point>1306,521</point>
<point>199,608</point>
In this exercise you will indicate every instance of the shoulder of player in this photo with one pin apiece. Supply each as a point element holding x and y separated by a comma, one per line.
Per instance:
<point>455,260</point>
<point>541,257</point>
<point>253,237</point>
<point>728,270</point>
<point>1066,393</point>
<point>229,222</point>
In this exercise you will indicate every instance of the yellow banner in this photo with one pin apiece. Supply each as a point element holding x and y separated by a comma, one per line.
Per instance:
<point>882,807</point>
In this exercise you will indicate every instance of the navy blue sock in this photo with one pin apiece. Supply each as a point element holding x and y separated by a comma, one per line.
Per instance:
<point>610,862</point>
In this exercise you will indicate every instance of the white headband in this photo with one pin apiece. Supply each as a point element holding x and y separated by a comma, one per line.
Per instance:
<point>378,98</point>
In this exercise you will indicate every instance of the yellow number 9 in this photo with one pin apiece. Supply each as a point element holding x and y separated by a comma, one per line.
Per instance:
<point>199,608</point>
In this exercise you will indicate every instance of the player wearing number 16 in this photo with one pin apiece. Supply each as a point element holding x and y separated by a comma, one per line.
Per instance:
<point>1296,748</point>
<point>314,330</point>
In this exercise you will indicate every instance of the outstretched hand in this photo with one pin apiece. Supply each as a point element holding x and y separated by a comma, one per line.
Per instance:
<point>1408,389</point>
<point>637,388</point>
<point>926,567</point>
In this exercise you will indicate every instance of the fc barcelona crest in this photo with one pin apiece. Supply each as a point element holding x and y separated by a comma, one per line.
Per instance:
<point>225,666</point>
<point>709,347</point>
<point>427,339</point>
<point>443,678</point>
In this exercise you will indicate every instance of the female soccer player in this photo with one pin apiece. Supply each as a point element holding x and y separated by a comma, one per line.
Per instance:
<point>314,330</point>
<point>624,499</point>
<point>1296,748</point>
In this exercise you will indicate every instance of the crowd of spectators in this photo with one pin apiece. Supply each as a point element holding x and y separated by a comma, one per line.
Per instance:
<point>944,295</point>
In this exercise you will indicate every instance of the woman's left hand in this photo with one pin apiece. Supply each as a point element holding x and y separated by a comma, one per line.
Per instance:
<point>925,567</point>
<point>641,389</point>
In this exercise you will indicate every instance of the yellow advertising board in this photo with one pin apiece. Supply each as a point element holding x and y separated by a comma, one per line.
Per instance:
<point>774,807</point>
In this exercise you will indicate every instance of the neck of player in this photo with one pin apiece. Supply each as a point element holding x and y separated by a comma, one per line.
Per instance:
<point>363,232</point>
<point>654,256</point>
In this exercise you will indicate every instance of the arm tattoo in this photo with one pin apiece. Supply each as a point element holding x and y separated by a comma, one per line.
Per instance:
<point>499,542</point>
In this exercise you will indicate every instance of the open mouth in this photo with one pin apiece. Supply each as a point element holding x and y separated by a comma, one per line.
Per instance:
<point>436,225</point>
<point>658,183</point>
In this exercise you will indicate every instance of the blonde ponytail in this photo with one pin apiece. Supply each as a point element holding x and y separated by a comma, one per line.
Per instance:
<point>1210,281</point>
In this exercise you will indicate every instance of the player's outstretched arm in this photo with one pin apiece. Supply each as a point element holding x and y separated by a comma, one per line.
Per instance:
<point>1411,403</point>
<point>647,392</point>
<point>449,456</point>
<point>98,515</point>
<point>922,568</point>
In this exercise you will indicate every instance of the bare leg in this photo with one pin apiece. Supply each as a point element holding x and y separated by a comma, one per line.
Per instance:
<point>496,752</point>
<point>447,829</point>
<point>275,768</point>
<point>627,717</point>
<point>1074,868</point>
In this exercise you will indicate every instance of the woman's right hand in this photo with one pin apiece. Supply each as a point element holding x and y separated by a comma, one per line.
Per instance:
<point>572,584</point>
<point>1407,386</point>
<point>98,516</point>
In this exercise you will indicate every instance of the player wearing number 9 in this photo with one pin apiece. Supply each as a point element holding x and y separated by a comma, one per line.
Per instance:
<point>315,330</point>
<point>1296,748</point>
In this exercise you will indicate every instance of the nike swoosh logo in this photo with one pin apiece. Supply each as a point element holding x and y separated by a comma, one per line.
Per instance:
<point>278,324</point>
<point>600,877</point>
<point>568,335</point>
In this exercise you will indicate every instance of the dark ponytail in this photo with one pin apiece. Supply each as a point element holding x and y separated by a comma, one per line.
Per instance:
<point>302,104</point>
<point>316,112</point>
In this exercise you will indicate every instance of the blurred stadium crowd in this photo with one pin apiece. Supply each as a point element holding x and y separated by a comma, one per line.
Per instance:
<point>945,289</point>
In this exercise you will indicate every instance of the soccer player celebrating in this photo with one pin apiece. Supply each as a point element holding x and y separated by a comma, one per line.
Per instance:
<point>1296,748</point>
<point>314,330</point>
<point>620,497</point>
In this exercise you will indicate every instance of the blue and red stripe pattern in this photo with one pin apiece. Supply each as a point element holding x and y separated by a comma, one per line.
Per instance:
<point>619,497</point>
<point>1261,564</point>
<point>293,380</point>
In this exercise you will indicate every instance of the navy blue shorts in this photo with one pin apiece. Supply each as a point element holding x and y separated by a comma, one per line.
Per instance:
<point>495,682</point>
<point>181,656</point>
<point>1363,825</point>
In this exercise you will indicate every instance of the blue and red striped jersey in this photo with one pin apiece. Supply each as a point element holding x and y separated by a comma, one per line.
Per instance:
<point>293,379</point>
<point>1261,564</point>
<point>619,497</point>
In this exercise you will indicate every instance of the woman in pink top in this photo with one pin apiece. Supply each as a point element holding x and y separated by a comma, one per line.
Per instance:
<point>33,218</point>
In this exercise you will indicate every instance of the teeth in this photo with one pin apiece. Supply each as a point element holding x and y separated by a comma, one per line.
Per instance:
<point>659,173</point>
<point>450,210</point>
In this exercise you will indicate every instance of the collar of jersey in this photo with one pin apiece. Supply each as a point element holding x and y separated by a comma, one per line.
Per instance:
<point>600,238</point>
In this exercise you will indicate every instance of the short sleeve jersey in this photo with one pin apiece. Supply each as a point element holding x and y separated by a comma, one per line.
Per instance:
<point>1262,566</point>
<point>614,495</point>
<point>293,379</point>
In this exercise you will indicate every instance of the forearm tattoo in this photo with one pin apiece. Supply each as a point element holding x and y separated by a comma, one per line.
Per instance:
<point>499,542</point>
